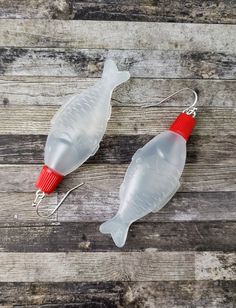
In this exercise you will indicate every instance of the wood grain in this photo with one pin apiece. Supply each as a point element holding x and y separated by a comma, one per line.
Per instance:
<point>35,9</point>
<point>29,149</point>
<point>55,267</point>
<point>149,236</point>
<point>90,294</point>
<point>196,178</point>
<point>16,207</point>
<point>121,294</point>
<point>169,294</point>
<point>140,63</point>
<point>116,266</point>
<point>176,11</point>
<point>161,11</point>
<point>124,120</point>
<point>34,90</point>
<point>117,35</point>
<point>207,262</point>
<point>96,204</point>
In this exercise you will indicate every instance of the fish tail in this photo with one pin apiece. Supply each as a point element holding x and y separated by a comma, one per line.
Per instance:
<point>112,75</point>
<point>117,228</point>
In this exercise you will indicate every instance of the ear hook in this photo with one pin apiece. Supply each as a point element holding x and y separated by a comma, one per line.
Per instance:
<point>191,110</point>
<point>40,195</point>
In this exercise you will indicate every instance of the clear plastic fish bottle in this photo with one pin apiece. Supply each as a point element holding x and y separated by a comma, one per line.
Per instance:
<point>152,178</point>
<point>78,127</point>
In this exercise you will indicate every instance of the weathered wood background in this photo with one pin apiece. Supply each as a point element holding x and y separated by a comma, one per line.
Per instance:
<point>183,256</point>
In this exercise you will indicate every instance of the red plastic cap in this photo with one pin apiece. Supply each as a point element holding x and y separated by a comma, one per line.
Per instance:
<point>183,125</point>
<point>48,180</point>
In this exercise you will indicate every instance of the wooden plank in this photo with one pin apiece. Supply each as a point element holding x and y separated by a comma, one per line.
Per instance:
<point>56,267</point>
<point>117,35</point>
<point>161,11</point>
<point>34,90</point>
<point>68,237</point>
<point>116,266</point>
<point>207,294</point>
<point>207,262</point>
<point>148,11</point>
<point>96,204</point>
<point>141,63</point>
<point>124,120</point>
<point>196,178</point>
<point>16,207</point>
<point>29,149</point>
<point>35,9</point>
<point>103,294</point>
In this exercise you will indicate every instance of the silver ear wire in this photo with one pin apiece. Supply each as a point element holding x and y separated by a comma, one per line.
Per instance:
<point>40,195</point>
<point>191,110</point>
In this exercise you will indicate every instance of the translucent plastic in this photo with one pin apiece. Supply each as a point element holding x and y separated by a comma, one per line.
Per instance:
<point>150,182</point>
<point>78,126</point>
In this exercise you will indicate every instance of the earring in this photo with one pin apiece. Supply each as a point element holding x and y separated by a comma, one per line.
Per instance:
<point>152,177</point>
<point>76,132</point>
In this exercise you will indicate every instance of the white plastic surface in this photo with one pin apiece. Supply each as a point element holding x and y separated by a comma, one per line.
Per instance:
<point>150,181</point>
<point>78,126</point>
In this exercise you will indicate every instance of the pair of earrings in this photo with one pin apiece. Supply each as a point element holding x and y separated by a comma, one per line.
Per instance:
<point>151,179</point>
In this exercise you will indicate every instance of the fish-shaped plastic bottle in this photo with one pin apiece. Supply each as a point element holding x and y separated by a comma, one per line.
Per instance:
<point>77,128</point>
<point>152,178</point>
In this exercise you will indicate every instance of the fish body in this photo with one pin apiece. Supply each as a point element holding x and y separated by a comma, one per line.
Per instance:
<point>79,125</point>
<point>151,180</point>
